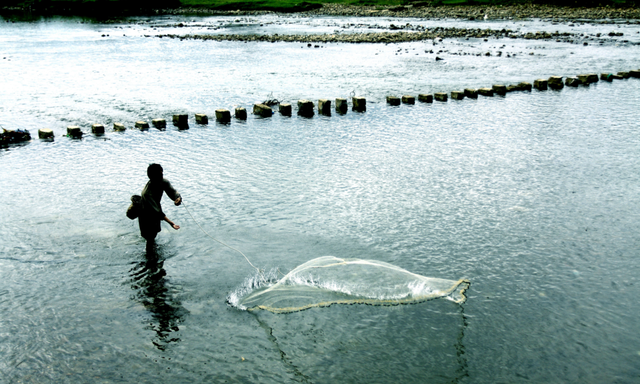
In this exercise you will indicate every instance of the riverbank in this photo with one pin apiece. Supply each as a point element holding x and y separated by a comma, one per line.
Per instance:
<point>420,10</point>
<point>468,12</point>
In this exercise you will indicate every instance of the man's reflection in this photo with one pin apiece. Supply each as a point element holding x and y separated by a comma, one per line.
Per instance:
<point>153,291</point>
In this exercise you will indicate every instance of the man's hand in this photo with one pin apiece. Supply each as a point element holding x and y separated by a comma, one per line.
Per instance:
<point>178,201</point>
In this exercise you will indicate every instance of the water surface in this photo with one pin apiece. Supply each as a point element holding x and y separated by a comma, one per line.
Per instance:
<point>532,197</point>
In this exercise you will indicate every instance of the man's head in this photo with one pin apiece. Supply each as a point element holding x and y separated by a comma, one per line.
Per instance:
<point>155,172</point>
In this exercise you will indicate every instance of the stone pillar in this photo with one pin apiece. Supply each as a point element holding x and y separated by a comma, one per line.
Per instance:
<point>592,77</point>
<point>45,133</point>
<point>97,129</point>
<point>635,73</point>
<point>500,89</point>
<point>407,99</point>
<point>74,132</point>
<point>393,100</point>
<point>555,82</point>
<point>471,93</point>
<point>285,109</point>
<point>457,95</point>
<point>341,106</point>
<point>142,125</point>
<point>359,104</point>
<point>119,127</point>
<point>525,86</point>
<point>624,75</point>
<point>262,110</point>
<point>181,121</point>
<point>324,107</point>
<point>305,108</point>
<point>606,77</point>
<point>441,96</point>
<point>201,118</point>
<point>159,123</point>
<point>223,115</point>
<point>540,84</point>
<point>425,98</point>
<point>241,113</point>
<point>485,92</point>
<point>572,81</point>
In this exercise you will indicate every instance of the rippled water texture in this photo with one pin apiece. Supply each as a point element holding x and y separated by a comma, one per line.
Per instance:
<point>532,197</point>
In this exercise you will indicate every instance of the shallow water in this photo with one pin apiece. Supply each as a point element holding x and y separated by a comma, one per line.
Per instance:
<point>532,197</point>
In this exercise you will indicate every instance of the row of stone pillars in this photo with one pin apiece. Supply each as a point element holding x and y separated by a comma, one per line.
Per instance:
<point>554,82</point>
<point>307,108</point>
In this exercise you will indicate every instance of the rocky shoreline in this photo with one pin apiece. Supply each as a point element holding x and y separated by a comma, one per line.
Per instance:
<point>414,34</point>
<point>522,11</point>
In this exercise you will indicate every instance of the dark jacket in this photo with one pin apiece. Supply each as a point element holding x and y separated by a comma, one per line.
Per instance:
<point>152,214</point>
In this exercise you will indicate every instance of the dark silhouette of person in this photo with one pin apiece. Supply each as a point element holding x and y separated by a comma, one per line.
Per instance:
<point>153,290</point>
<point>152,215</point>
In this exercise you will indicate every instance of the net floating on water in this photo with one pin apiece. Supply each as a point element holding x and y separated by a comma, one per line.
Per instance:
<point>330,280</point>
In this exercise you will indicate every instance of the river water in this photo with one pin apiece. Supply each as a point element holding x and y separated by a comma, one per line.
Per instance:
<point>533,197</point>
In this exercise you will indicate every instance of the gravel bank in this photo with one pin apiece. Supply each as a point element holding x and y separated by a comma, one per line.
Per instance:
<point>604,14</point>
<point>415,34</point>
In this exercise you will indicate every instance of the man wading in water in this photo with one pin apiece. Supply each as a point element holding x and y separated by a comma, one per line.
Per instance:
<point>152,214</point>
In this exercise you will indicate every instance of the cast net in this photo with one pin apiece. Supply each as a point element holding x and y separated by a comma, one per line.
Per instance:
<point>330,280</point>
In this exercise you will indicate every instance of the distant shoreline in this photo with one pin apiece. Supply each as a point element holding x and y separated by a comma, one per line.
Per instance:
<point>464,12</point>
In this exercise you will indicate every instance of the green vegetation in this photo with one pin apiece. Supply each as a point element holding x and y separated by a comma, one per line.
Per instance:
<point>111,7</point>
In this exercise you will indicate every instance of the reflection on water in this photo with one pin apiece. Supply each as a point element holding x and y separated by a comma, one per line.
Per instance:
<point>149,281</point>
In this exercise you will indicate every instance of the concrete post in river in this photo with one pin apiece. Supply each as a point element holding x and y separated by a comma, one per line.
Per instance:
<point>471,93</point>
<point>606,77</point>
<point>262,110</point>
<point>500,89</point>
<point>540,84</point>
<point>223,115</point>
<point>441,96</point>
<point>142,125</point>
<point>524,86</point>
<point>97,129</point>
<point>393,100</point>
<point>201,118</point>
<point>285,109</point>
<point>341,106</point>
<point>45,133</point>
<point>241,113</point>
<point>119,127</point>
<point>488,92</point>
<point>588,78</point>
<point>159,123</point>
<point>408,99</point>
<point>324,107</point>
<point>305,108</point>
<point>555,82</point>
<point>181,121</point>
<point>634,73</point>
<point>425,98</point>
<point>572,81</point>
<point>457,95</point>
<point>358,104</point>
<point>74,131</point>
